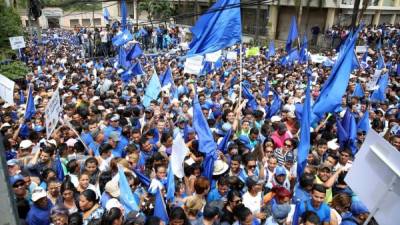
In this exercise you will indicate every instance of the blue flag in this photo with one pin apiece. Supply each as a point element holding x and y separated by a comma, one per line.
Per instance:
<point>381,62</point>
<point>122,38</point>
<point>160,209</point>
<point>170,184</point>
<point>59,169</point>
<point>252,103</point>
<point>217,29</point>
<point>223,145</point>
<point>200,125</point>
<point>358,91</point>
<point>135,52</point>
<point>30,106</point>
<point>126,197</point>
<point>347,131</point>
<point>364,124</point>
<point>208,165</point>
<point>152,91</point>
<point>106,14</point>
<point>266,89</point>
<point>356,63</point>
<point>398,69</point>
<point>218,63</point>
<point>305,124</point>
<point>143,178</point>
<point>137,69</point>
<point>207,68</point>
<point>124,14</point>
<point>296,215</point>
<point>379,94</point>
<point>292,35</point>
<point>122,62</point>
<point>21,97</point>
<point>166,78</point>
<point>275,106</point>
<point>303,57</point>
<point>331,93</point>
<point>271,49</point>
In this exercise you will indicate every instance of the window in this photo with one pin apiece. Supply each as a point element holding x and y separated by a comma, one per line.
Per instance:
<point>86,22</point>
<point>74,22</point>
<point>97,21</point>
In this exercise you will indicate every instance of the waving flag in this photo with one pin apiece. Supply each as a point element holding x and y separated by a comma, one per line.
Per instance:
<point>275,106</point>
<point>134,70</point>
<point>106,14</point>
<point>126,197</point>
<point>143,178</point>
<point>166,78</point>
<point>170,184</point>
<point>223,145</point>
<point>21,97</point>
<point>271,49</point>
<point>124,14</point>
<point>331,93</point>
<point>152,90</point>
<point>200,125</point>
<point>381,62</point>
<point>59,169</point>
<point>122,38</point>
<point>292,35</point>
<point>364,124</point>
<point>358,91</point>
<point>398,69</point>
<point>266,89</point>
<point>347,131</point>
<point>305,124</point>
<point>252,103</point>
<point>160,209</point>
<point>30,106</point>
<point>135,52</point>
<point>303,57</point>
<point>122,62</point>
<point>217,29</point>
<point>379,94</point>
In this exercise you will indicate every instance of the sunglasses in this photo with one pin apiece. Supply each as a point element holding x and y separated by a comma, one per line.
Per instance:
<point>19,185</point>
<point>251,166</point>
<point>288,145</point>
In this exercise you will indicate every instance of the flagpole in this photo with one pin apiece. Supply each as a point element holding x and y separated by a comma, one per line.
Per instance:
<point>241,72</point>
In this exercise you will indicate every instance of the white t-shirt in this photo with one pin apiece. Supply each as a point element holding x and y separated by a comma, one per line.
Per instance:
<point>253,203</point>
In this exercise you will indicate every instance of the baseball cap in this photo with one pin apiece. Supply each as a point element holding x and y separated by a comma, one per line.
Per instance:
<point>253,180</point>
<point>357,208</point>
<point>280,170</point>
<point>12,162</point>
<point>280,212</point>
<point>112,188</point>
<point>289,157</point>
<point>15,179</point>
<point>25,144</point>
<point>115,117</point>
<point>5,125</point>
<point>38,193</point>
<point>245,140</point>
<point>325,166</point>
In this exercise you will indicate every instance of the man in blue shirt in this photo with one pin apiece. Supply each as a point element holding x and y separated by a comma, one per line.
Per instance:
<point>220,192</point>
<point>317,204</point>
<point>113,127</point>
<point>303,189</point>
<point>39,214</point>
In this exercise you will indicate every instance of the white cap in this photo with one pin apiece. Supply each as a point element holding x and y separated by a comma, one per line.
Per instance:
<point>38,193</point>
<point>25,144</point>
<point>275,119</point>
<point>113,203</point>
<point>71,142</point>
<point>333,145</point>
<point>5,125</point>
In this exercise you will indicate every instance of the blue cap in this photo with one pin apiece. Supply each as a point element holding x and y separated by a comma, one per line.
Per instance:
<point>280,170</point>
<point>15,179</point>
<point>357,208</point>
<point>245,140</point>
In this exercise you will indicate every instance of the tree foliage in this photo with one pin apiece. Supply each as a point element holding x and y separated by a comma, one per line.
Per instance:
<point>157,9</point>
<point>11,25</point>
<point>14,70</point>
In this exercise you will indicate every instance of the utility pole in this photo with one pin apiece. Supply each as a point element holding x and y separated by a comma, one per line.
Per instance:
<point>355,14</point>
<point>257,34</point>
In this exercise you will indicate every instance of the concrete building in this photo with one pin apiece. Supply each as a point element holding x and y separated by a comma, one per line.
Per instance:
<point>274,15</point>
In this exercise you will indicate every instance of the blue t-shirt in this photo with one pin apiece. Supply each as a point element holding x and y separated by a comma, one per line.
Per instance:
<point>214,195</point>
<point>324,212</point>
<point>39,216</point>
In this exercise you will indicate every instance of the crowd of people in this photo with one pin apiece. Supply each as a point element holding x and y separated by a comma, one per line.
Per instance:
<point>104,127</point>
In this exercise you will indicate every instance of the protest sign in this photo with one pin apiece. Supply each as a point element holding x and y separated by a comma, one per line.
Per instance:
<point>373,177</point>
<point>7,89</point>
<point>52,113</point>
<point>361,49</point>
<point>193,65</point>
<point>231,55</point>
<point>17,42</point>
<point>318,58</point>
<point>213,57</point>
<point>371,85</point>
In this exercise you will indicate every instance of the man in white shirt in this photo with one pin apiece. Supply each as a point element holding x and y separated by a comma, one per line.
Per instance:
<point>252,199</point>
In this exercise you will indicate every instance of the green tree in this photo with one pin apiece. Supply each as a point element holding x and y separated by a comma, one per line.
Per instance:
<point>15,70</point>
<point>11,25</point>
<point>157,9</point>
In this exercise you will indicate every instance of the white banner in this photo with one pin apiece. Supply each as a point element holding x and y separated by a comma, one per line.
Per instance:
<point>231,55</point>
<point>318,58</point>
<point>7,89</point>
<point>371,85</point>
<point>178,154</point>
<point>52,113</point>
<point>193,65</point>
<point>213,57</point>
<point>17,42</point>
<point>361,49</point>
